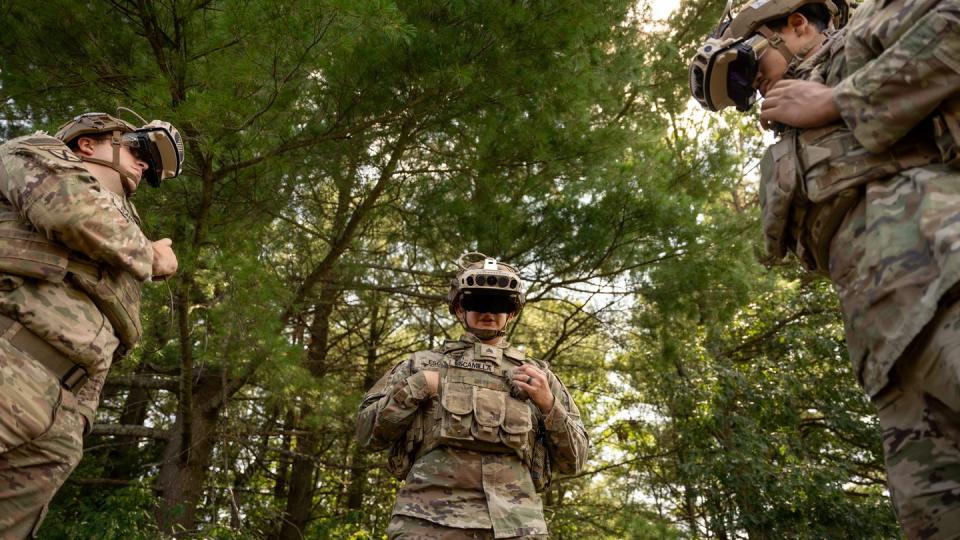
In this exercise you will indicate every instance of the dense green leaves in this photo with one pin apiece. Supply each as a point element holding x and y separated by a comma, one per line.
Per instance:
<point>340,155</point>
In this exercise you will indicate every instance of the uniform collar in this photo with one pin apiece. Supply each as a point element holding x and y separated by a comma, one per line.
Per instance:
<point>467,337</point>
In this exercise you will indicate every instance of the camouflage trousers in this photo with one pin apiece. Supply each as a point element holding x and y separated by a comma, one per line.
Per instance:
<point>41,440</point>
<point>411,528</point>
<point>919,413</point>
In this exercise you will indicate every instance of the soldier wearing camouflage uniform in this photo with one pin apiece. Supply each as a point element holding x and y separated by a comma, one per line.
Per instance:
<point>72,260</point>
<point>864,186</point>
<point>475,427</point>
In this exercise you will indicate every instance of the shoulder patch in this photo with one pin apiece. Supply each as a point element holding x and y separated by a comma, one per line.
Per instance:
<point>64,153</point>
<point>50,152</point>
<point>426,360</point>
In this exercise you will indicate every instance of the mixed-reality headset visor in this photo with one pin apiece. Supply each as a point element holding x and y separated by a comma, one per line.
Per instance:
<point>160,146</point>
<point>488,303</point>
<point>723,72</point>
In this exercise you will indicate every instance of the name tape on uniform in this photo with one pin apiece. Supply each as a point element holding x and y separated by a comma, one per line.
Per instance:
<point>471,364</point>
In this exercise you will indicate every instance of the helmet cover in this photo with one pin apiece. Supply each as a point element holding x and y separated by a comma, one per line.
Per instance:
<point>486,286</point>
<point>157,143</point>
<point>725,66</point>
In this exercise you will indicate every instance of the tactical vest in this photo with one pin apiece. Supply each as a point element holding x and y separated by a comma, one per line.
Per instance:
<point>811,178</point>
<point>26,252</point>
<point>474,410</point>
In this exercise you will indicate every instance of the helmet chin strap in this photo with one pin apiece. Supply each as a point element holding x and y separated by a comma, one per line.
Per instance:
<point>128,182</point>
<point>776,41</point>
<point>483,333</point>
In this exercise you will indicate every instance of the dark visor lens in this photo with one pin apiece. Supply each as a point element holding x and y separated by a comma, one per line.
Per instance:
<point>488,303</point>
<point>740,76</point>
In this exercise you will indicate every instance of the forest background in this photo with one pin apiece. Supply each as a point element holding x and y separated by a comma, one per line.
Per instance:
<point>340,155</point>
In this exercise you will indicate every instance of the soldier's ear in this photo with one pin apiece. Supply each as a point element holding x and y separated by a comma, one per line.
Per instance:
<point>797,23</point>
<point>85,145</point>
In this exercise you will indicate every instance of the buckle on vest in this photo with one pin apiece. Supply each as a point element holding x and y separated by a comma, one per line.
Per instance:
<point>75,376</point>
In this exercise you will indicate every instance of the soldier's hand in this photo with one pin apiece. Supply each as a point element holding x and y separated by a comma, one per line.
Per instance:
<point>533,381</point>
<point>433,381</point>
<point>800,104</point>
<point>164,260</point>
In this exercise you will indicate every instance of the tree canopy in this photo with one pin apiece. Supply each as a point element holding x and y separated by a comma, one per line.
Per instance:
<point>340,156</point>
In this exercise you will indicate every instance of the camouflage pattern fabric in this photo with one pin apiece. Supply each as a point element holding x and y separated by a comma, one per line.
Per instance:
<point>896,255</point>
<point>920,417</point>
<point>44,186</point>
<point>40,440</point>
<point>899,254</point>
<point>893,259</point>
<point>903,60</point>
<point>900,245</point>
<point>52,192</point>
<point>460,488</point>
<point>408,528</point>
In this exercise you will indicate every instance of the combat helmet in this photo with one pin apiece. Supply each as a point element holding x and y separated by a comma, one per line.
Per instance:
<point>157,143</point>
<point>486,286</point>
<point>723,70</point>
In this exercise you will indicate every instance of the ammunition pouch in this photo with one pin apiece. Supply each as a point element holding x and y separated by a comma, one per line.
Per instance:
<point>117,296</point>
<point>25,252</point>
<point>486,420</point>
<point>474,410</point>
<point>811,178</point>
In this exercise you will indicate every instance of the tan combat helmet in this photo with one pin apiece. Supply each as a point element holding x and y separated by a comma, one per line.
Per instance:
<point>723,70</point>
<point>486,286</point>
<point>157,143</point>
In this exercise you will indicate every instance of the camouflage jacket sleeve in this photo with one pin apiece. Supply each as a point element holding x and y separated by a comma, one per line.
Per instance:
<point>89,397</point>
<point>904,57</point>
<point>567,439</point>
<point>51,189</point>
<point>389,407</point>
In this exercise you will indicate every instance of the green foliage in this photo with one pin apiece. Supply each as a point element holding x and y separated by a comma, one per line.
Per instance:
<point>116,514</point>
<point>340,155</point>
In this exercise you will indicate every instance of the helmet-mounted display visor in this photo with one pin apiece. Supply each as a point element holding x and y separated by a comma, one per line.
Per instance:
<point>723,71</point>
<point>159,145</point>
<point>482,302</point>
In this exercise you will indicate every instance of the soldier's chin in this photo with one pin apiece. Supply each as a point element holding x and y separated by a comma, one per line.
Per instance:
<point>130,181</point>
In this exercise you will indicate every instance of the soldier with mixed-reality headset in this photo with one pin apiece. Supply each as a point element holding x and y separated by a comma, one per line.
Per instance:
<point>864,187</point>
<point>475,427</point>
<point>72,261</point>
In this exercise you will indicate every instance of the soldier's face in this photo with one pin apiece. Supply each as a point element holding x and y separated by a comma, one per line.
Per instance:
<point>770,69</point>
<point>485,321</point>
<point>129,162</point>
<point>772,65</point>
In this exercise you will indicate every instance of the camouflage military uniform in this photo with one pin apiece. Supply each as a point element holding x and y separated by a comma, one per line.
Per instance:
<point>52,210</point>
<point>452,492</point>
<point>894,246</point>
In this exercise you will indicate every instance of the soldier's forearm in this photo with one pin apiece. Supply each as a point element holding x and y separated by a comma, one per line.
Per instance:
<point>88,222</point>
<point>882,101</point>
<point>386,419</point>
<point>567,439</point>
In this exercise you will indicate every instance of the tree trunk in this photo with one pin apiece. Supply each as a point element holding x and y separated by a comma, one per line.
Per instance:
<point>304,469</point>
<point>184,470</point>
